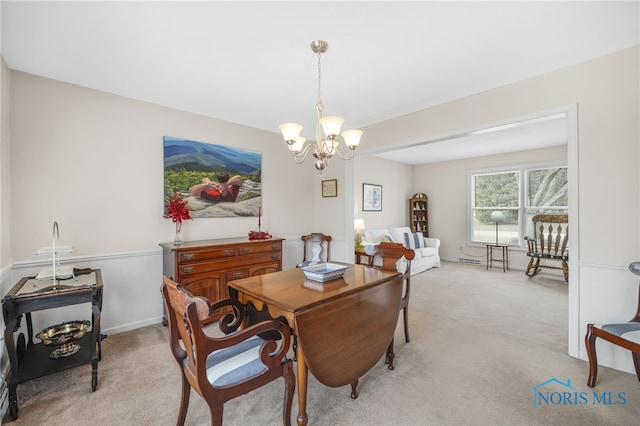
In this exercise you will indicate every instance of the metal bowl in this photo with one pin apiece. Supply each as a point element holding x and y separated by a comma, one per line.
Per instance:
<point>63,335</point>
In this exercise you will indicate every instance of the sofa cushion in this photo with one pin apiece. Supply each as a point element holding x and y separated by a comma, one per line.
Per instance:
<point>414,240</point>
<point>425,252</point>
<point>397,234</point>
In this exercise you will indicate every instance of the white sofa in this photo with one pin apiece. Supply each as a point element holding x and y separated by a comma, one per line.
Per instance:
<point>426,257</point>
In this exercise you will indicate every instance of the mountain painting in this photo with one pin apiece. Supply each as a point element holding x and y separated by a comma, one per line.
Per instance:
<point>215,180</point>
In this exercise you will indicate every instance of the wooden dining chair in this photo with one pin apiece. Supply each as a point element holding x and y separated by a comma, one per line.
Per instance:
<point>625,335</point>
<point>223,368</point>
<point>317,247</point>
<point>394,257</point>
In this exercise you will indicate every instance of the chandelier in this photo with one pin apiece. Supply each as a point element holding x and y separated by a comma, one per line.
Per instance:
<point>325,147</point>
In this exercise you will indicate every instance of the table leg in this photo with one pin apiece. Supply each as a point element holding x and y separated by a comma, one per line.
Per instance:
<point>506,250</point>
<point>302,377</point>
<point>488,256</point>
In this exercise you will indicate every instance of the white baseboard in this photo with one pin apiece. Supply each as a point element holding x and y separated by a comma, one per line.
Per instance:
<point>132,326</point>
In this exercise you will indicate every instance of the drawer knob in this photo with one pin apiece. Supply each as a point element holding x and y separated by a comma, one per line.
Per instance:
<point>187,269</point>
<point>246,250</point>
<point>188,256</point>
<point>275,256</point>
<point>237,275</point>
<point>275,247</point>
<point>228,252</point>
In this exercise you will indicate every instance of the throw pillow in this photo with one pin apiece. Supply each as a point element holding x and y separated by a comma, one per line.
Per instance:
<point>385,239</point>
<point>414,240</point>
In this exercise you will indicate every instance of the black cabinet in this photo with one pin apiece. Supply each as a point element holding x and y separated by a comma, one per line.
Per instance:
<point>30,360</point>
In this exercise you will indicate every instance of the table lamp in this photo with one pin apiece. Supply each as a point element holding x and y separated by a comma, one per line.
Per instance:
<point>358,225</point>
<point>498,217</point>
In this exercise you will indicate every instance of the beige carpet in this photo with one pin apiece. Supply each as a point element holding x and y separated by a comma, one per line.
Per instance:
<point>480,341</point>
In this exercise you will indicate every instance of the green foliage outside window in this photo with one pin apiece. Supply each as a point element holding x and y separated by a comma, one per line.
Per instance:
<point>519,194</point>
<point>496,191</point>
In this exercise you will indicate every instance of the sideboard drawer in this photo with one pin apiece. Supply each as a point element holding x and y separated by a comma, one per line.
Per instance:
<point>214,253</point>
<point>261,247</point>
<point>236,275</point>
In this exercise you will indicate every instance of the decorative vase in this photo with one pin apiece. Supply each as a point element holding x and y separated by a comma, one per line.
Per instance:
<point>178,238</point>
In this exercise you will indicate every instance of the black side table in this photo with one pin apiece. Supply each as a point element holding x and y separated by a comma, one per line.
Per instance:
<point>505,255</point>
<point>31,360</point>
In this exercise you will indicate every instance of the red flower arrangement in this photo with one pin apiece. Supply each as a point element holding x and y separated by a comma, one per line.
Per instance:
<point>177,208</point>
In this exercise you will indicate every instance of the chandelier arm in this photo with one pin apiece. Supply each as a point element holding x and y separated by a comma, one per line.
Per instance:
<point>299,158</point>
<point>336,150</point>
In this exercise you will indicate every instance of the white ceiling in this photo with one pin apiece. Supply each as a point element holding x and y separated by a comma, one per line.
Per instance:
<point>250,62</point>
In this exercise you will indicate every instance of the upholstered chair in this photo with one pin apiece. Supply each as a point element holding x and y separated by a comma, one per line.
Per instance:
<point>222,368</point>
<point>624,334</point>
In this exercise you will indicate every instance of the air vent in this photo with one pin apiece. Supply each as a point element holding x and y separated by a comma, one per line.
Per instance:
<point>466,261</point>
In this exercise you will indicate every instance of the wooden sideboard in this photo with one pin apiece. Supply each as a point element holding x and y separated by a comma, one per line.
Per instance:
<point>204,267</point>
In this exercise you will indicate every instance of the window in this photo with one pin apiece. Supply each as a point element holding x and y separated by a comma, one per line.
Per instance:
<point>519,193</point>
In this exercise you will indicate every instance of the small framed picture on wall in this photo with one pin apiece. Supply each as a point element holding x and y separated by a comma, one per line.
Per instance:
<point>371,197</point>
<point>330,188</point>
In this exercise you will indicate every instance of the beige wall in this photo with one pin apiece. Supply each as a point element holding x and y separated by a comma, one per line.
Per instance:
<point>94,162</point>
<point>606,91</point>
<point>449,202</point>
<point>607,94</point>
<point>397,187</point>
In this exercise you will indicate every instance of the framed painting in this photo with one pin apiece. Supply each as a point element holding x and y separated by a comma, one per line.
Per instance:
<point>371,197</point>
<point>330,188</point>
<point>215,180</point>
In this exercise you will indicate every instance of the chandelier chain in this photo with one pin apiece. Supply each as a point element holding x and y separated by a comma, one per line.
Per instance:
<point>319,79</point>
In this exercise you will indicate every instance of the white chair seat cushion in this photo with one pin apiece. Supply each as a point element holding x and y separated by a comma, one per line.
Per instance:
<point>633,336</point>
<point>236,363</point>
<point>628,330</point>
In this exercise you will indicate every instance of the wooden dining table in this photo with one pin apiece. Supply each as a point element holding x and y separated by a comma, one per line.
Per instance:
<point>342,327</point>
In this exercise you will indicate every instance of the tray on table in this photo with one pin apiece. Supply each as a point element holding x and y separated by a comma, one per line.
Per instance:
<point>322,272</point>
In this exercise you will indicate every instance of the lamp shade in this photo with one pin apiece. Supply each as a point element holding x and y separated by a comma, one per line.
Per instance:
<point>331,125</point>
<point>496,216</point>
<point>352,137</point>
<point>358,224</point>
<point>290,131</point>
